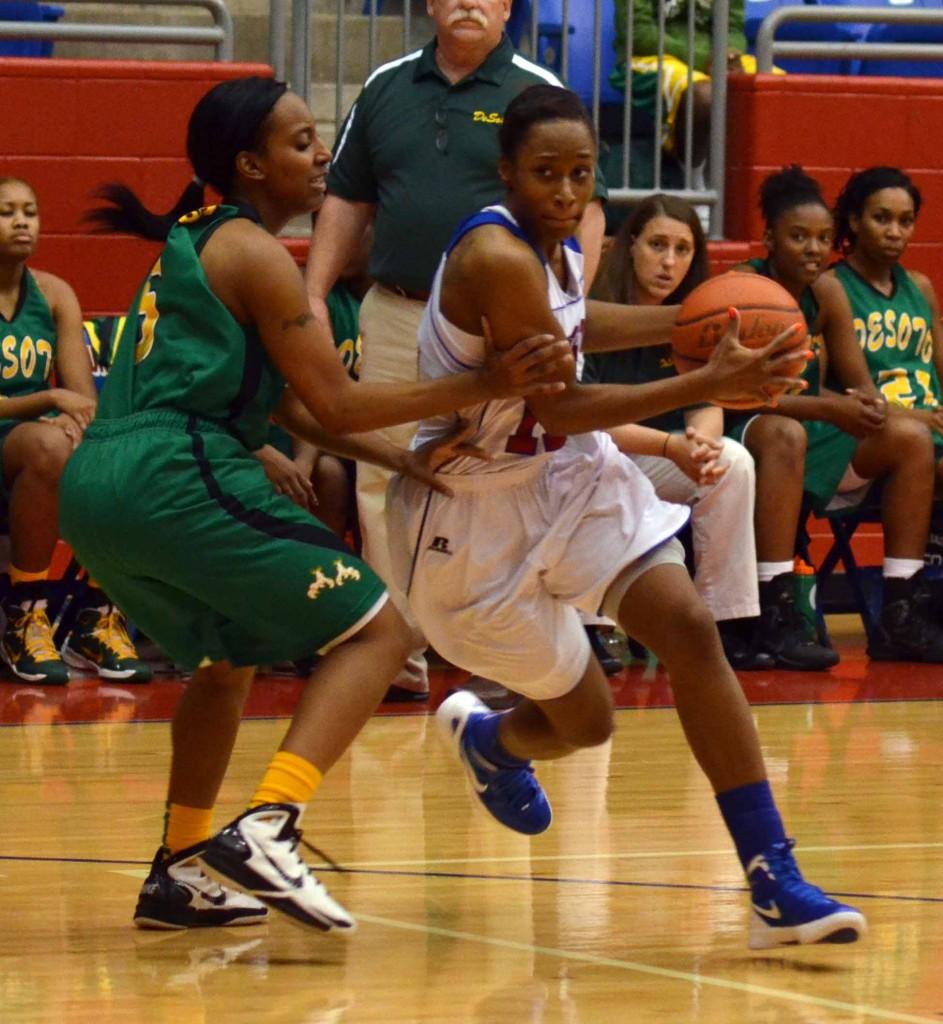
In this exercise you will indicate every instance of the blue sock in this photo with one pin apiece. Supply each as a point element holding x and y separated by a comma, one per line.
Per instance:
<point>483,733</point>
<point>752,819</point>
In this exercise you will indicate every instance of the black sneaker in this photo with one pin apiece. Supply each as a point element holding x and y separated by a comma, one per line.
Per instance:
<point>99,641</point>
<point>177,894</point>
<point>258,854</point>
<point>608,661</point>
<point>784,633</point>
<point>27,644</point>
<point>907,629</point>
<point>739,640</point>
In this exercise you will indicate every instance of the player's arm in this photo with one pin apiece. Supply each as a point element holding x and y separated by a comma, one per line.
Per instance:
<point>73,364</point>
<point>837,325</point>
<point>611,325</point>
<point>929,293</point>
<point>338,234</point>
<point>496,276</point>
<point>256,278</point>
<point>590,233</point>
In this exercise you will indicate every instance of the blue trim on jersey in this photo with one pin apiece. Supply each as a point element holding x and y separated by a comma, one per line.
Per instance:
<point>493,216</point>
<point>443,345</point>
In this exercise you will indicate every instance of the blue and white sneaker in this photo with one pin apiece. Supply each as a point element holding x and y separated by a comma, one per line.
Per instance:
<point>787,910</point>
<point>511,796</point>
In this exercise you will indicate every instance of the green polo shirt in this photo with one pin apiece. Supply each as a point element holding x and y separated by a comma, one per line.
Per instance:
<point>426,153</point>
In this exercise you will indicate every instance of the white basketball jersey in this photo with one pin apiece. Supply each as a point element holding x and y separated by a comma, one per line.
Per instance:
<point>505,428</point>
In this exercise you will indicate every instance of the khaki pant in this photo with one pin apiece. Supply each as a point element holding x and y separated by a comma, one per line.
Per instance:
<point>388,326</point>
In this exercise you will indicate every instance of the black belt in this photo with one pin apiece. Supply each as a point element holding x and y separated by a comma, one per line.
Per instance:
<point>405,293</point>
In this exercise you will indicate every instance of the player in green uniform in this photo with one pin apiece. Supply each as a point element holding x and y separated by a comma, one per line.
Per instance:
<point>895,311</point>
<point>833,443</point>
<point>165,503</point>
<point>41,336</point>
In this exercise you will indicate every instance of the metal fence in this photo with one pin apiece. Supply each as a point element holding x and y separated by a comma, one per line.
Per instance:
<point>219,36</point>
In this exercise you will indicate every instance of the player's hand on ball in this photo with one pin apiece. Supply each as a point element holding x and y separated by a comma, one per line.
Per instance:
<point>540,364</point>
<point>423,463</point>
<point>755,375</point>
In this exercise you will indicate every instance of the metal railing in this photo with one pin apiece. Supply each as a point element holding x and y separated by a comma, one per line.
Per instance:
<point>297,70</point>
<point>768,47</point>
<point>220,36</point>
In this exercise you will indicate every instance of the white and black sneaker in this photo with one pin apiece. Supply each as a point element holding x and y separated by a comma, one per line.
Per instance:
<point>177,894</point>
<point>258,853</point>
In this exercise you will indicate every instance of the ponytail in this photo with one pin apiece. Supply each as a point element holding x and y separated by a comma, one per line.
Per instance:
<point>230,118</point>
<point>128,215</point>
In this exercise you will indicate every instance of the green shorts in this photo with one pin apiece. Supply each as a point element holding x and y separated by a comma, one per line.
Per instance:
<point>829,452</point>
<point>178,523</point>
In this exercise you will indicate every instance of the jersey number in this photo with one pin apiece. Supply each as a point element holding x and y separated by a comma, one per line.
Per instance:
<point>524,441</point>
<point>149,316</point>
<point>22,363</point>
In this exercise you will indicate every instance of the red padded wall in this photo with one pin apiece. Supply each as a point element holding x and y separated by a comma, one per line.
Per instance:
<point>68,126</point>
<point>832,125</point>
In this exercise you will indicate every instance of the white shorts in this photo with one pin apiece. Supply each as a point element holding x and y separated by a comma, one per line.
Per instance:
<point>495,575</point>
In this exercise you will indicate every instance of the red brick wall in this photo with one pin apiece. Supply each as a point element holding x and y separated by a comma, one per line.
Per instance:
<point>832,126</point>
<point>68,126</point>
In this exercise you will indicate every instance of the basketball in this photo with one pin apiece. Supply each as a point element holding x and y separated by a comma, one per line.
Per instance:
<point>766,310</point>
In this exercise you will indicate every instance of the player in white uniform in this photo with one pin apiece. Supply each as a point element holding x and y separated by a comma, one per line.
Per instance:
<point>558,520</point>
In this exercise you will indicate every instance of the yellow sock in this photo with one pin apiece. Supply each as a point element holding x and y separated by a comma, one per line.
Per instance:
<point>289,779</point>
<point>186,826</point>
<point>22,576</point>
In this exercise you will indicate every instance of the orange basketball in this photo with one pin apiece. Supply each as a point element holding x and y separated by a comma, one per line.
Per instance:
<point>766,310</point>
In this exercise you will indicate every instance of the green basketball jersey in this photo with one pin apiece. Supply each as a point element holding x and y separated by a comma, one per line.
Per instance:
<point>27,345</point>
<point>182,349</point>
<point>810,310</point>
<point>343,307</point>
<point>895,333</point>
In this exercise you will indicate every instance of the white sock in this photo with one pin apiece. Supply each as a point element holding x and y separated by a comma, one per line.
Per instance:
<point>901,568</point>
<point>768,570</point>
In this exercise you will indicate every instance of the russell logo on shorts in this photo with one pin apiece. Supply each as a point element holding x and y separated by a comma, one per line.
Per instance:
<point>342,573</point>
<point>440,544</point>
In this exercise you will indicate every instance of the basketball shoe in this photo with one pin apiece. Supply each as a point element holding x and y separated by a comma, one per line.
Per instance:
<point>907,630</point>
<point>258,853</point>
<point>27,645</point>
<point>787,910</point>
<point>509,792</point>
<point>100,642</point>
<point>177,894</point>
<point>784,634</point>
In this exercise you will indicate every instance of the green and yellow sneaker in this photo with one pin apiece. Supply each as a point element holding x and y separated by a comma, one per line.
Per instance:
<point>28,647</point>
<point>100,641</point>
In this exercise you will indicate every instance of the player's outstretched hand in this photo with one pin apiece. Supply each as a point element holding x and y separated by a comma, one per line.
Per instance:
<point>540,364</point>
<point>423,463</point>
<point>742,373</point>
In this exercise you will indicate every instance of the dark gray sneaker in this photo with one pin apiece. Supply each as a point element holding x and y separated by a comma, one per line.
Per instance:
<point>784,633</point>
<point>907,629</point>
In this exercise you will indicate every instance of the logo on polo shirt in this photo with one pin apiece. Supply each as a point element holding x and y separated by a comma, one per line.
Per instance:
<point>481,117</point>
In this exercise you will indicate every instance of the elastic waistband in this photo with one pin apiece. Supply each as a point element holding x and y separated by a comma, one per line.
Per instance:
<point>152,419</point>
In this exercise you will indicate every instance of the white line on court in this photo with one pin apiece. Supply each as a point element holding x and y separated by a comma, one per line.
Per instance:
<point>872,1012</point>
<point>625,855</point>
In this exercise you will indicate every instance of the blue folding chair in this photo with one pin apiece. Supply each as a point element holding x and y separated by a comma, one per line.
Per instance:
<point>21,11</point>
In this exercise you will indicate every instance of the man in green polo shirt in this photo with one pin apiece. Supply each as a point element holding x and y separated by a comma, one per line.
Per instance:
<point>417,154</point>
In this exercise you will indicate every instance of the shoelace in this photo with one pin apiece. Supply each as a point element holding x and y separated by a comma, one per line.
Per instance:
<point>37,635</point>
<point>783,865</point>
<point>518,785</point>
<point>113,633</point>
